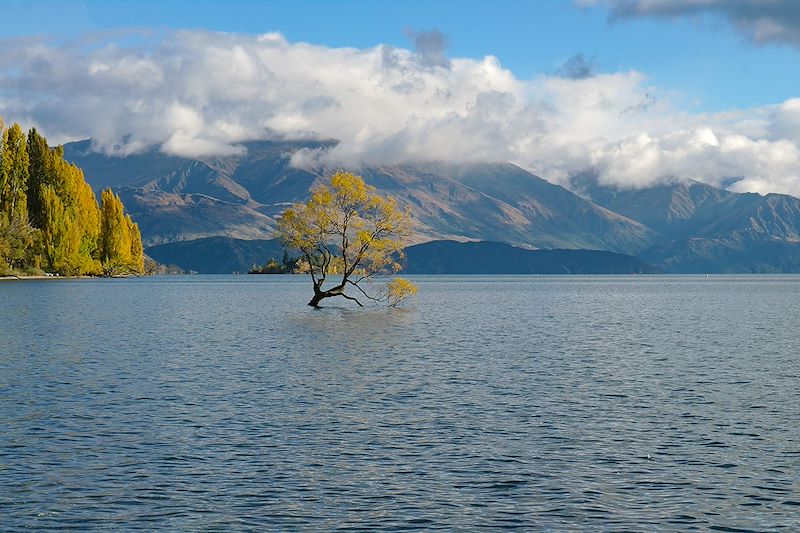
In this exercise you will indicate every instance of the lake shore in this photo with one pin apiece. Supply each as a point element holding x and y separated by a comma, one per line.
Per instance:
<point>39,276</point>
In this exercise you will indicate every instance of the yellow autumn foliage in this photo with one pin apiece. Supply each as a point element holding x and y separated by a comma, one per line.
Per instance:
<point>400,289</point>
<point>346,228</point>
<point>49,216</point>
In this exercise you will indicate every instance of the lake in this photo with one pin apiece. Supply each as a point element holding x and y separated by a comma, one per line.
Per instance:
<point>218,403</point>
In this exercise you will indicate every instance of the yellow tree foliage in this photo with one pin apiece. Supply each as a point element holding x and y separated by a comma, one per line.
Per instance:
<point>115,236</point>
<point>347,229</point>
<point>137,252</point>
<point>41,172</point>
<point>49,214</point>
<point>18,243</point>
<point>18,239</point>
<point>14,174</point>
<point>81,217</point>
<point>398,290</point>
<point>60,233</point>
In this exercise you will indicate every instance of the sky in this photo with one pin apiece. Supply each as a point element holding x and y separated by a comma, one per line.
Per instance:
<point>635,92</point>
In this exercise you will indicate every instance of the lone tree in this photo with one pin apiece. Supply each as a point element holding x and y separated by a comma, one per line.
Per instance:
<point>347,229</point>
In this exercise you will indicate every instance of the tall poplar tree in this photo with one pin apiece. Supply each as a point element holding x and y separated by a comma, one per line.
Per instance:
<point>3,177</point>
<point>60,234</point>
<point>137,251</point>
<point>14,173</point>
<point>118,239</point>
<point>40,172</point>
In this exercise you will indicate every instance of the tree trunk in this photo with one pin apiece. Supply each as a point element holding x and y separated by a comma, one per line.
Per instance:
<point>319,295</point>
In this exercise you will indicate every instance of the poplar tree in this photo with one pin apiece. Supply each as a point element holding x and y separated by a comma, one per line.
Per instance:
<point>40,173</point>
<point>3,177</point>
<point>137,252</point>
<point>14,173</point>
<point>58,235</point>
<point>115,236</point>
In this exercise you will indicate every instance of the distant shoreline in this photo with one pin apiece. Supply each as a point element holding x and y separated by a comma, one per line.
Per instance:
<point>37,277</point>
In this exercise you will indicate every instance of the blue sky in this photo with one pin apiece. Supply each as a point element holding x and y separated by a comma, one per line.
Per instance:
<point>705,61</point>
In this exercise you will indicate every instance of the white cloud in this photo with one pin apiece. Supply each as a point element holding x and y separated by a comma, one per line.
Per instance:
<point>199,93</point>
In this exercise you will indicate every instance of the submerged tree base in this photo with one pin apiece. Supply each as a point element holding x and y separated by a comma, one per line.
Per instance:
<point>320,295</point>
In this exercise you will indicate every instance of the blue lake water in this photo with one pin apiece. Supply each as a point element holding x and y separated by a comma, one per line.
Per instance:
<point>219,403</point>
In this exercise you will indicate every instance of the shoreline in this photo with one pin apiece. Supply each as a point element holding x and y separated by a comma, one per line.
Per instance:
<point>38,277</point>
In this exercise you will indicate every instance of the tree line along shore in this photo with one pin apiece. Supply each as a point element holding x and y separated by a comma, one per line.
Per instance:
<point>50,220</point>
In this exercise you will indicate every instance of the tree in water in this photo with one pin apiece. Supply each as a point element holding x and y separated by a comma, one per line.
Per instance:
<point>347,229</point>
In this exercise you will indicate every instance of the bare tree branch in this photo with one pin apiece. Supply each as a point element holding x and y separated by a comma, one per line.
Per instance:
<point>343,295</point>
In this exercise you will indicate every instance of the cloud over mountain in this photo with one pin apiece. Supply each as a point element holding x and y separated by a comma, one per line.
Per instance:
<point>196,93</point>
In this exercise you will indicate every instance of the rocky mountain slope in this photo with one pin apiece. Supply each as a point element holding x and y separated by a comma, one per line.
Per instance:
<point>238,196</point>
<point>705,229</point>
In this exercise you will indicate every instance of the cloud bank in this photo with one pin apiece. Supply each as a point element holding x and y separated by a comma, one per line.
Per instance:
<point>763,21</point>
<point>198,94</point>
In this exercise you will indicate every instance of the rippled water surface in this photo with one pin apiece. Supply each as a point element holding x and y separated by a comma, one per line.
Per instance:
<point>539,403</point>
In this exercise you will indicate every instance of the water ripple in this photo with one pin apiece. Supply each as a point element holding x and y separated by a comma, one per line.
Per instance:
<point>546,403</point>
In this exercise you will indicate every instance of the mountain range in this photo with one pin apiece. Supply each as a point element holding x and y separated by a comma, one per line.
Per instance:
<point>706,229</point>
<point>683,226</point>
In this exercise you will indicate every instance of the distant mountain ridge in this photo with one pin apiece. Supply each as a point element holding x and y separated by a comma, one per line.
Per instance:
<point>686,226</point>
<point>705,229</point>
<point>179,199</point>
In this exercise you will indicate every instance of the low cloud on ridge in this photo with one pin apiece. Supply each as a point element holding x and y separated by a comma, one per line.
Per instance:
<point>197,93</point>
